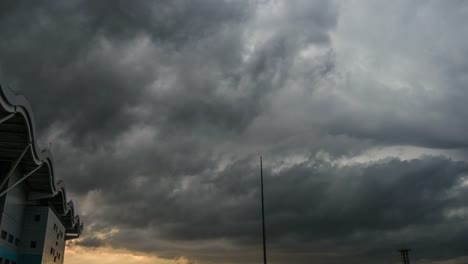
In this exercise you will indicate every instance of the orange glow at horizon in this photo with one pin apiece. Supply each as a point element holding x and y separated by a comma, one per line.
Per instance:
<point>79,255</point>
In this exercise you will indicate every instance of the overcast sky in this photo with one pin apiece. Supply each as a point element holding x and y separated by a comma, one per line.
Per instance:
<point>157,112</point>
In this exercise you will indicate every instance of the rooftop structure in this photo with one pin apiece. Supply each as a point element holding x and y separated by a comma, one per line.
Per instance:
<point>36,218</point>
<point>404,253</point>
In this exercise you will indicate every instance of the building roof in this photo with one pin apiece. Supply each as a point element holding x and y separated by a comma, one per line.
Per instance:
<point>17,134</point>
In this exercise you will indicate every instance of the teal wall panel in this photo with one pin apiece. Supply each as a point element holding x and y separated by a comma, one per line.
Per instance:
<point>6,253</point>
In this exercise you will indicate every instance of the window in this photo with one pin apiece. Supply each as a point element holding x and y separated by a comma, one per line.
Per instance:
<point>33,244</point>
<point>56,243</point>
<point>10,238</point>
<point>4,234</point>
<point>17,242</point>
<point>37,218</point>
<point>51,251</point>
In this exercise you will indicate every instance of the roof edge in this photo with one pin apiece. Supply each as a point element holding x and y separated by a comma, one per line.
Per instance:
<point>13,102</point>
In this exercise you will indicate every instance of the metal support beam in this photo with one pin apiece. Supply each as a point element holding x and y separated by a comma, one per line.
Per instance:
<point>20,180</point>
<point>13,167</point>
<point>7,117</point>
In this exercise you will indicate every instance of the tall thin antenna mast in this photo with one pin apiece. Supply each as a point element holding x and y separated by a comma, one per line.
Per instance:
<point>263,214</point>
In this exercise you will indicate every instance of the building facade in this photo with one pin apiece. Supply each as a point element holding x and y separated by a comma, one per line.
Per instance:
<point>36,218</point>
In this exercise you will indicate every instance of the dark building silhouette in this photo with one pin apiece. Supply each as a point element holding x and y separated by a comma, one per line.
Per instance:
<point>36,218</point>
<point>404,256</point>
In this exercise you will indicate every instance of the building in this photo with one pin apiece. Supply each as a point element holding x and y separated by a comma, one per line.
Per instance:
<point>36,218</point>
<point>404,253</point>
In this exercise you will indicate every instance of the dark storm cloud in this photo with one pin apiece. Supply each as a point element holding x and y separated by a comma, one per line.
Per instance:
<point>83,51</point>
<point>309,206</point>
<point>156,110</point>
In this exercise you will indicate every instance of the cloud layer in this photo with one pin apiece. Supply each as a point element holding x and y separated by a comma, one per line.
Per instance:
<point>157,113</point>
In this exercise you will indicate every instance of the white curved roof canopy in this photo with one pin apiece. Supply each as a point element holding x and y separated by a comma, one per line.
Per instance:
<point>15,134</point>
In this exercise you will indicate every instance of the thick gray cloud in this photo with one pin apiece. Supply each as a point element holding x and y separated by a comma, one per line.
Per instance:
<point>157,112</point>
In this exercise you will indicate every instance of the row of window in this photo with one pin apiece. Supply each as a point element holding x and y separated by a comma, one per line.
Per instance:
<point>7,261</point>
<point>59,233</point>
<point>11,238</point>
<point>52,252</point>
